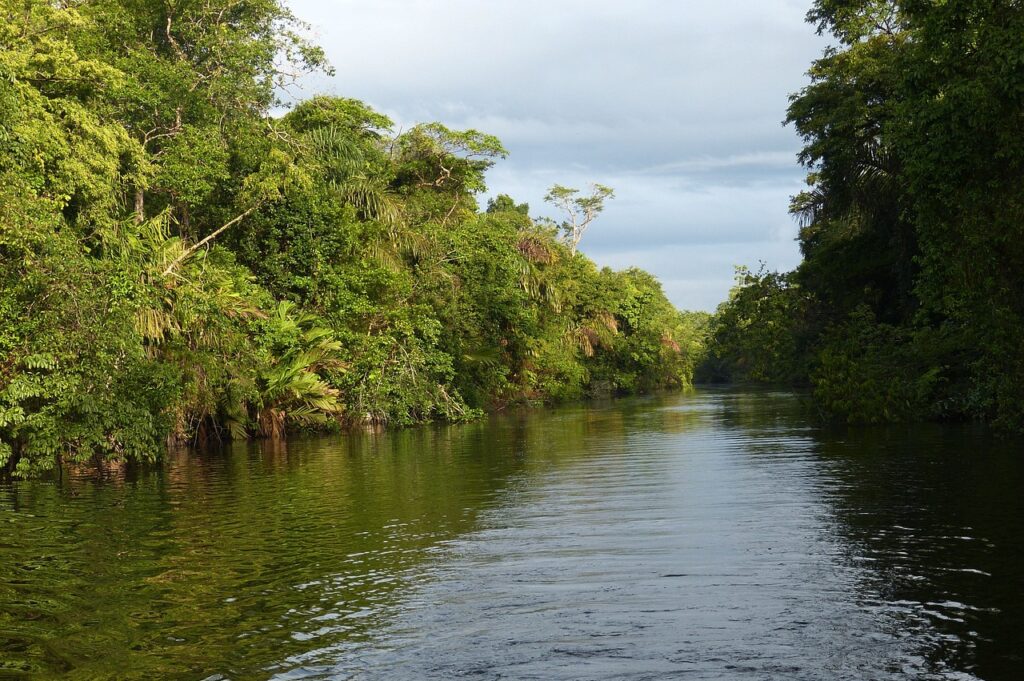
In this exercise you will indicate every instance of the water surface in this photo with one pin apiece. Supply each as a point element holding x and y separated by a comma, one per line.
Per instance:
<point>714,535</point>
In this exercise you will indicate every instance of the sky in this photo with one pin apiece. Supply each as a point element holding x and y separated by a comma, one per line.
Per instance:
<point>676,104</point>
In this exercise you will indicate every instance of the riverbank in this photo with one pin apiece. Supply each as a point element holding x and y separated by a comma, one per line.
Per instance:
<point>200,268</point>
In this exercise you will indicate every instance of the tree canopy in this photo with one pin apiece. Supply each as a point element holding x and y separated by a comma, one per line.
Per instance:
<point>179,265</point>
<point>908,301</point>
<point>579,210</point>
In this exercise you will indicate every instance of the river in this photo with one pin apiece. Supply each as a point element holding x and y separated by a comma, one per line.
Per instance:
<point>709,535</point>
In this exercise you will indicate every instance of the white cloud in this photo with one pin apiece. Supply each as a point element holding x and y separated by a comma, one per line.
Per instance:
<point>678,105</point>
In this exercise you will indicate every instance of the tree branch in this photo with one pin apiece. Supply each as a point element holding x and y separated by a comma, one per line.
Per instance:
<point>210,237</point>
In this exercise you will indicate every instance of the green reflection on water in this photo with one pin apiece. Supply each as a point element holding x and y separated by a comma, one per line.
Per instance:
<point>230,562</point>
<point>259,559</point>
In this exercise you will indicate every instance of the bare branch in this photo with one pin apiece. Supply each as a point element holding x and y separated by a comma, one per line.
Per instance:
<point>214,234</point>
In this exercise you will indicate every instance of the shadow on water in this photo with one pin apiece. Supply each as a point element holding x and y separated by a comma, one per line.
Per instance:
<point>937,514</point>
<point>715,535</point>
<point>931,519</point>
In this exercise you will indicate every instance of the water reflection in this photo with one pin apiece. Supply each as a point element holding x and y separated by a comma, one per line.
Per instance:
<point>938,516</point>
<point>717,534</point>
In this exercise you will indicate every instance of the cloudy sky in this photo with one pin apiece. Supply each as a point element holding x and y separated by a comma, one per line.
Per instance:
<point>677,104</point>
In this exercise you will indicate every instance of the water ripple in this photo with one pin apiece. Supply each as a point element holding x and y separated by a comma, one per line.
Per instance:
<point>718,535</point>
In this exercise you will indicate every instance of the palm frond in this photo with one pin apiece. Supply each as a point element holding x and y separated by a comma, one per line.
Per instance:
<point>335,151</point>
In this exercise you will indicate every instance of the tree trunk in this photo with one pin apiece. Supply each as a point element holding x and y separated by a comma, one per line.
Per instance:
<point>140,205</point>
<point>185,220</point>
<point>192,249</point>
<point>272,424</point>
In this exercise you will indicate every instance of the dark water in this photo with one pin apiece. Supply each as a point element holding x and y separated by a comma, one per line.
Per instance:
<point>717,535</point>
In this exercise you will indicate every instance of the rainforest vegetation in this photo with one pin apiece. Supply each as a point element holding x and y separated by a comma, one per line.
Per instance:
<point>909,302</point>
<point>185,258</point>
<point>178,264</point>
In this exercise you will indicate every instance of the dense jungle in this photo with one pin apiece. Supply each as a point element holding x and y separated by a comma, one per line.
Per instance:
<point>909,302</point>
<point>188,255</point>
<point>185,258</point>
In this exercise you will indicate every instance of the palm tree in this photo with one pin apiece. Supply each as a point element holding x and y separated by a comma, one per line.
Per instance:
<point>292,389</point>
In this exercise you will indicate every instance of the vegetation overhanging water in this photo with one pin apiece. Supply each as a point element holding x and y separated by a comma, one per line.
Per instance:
<point>178,265</point>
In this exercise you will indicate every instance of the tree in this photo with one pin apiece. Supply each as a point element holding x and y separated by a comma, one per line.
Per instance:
<point>907,302</point>
<point>504,203</point>
<point>756,334</point>
<point>580,211</point>
<point>197,73</point>
<point>177,264</point>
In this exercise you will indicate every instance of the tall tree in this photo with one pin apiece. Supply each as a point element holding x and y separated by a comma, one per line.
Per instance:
<point>579,210</point>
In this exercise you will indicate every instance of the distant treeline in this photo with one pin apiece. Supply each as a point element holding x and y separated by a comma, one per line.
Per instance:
<point>909,302</point>
<point>177,264</point>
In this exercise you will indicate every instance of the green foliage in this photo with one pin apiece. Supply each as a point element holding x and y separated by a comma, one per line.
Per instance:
<point>909,290</point>
<point>579,211</point>
<point>756,335</point>
<point>503,203</point>
<point>292,387</point>
<point>354,117</point>
<point>75,381</point>
<point>865,372</point>
<point>176,265</point>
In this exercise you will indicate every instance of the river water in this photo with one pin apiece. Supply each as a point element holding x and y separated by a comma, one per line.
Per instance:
<point>711,535</point>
